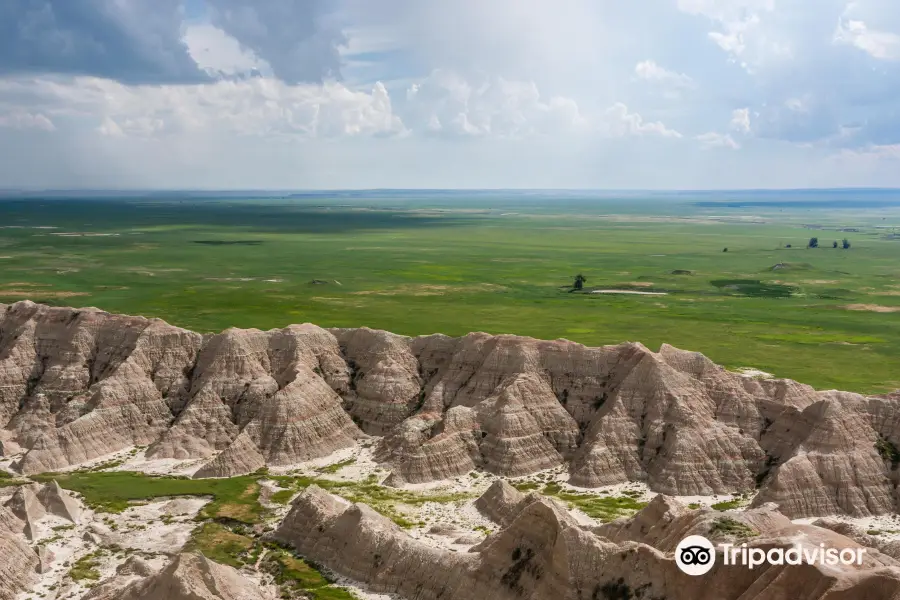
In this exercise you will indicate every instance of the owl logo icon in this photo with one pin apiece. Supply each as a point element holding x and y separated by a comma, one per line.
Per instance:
<point>695,555</point>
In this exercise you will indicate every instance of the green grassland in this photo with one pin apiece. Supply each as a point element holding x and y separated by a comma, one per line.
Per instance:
<point>419,264</point>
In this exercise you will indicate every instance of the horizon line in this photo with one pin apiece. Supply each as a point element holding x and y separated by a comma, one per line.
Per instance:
<point>17,190</point>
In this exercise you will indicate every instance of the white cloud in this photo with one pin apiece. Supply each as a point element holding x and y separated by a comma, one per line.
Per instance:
<point>618,122</point>
<point>717,140</point>
<point>872,153</point>
<point>883,45</point>
<point>110,128</point>
<point>218,53</point>
<point>26,120</point>
<point>527,83</point>
<point>446,103</point>
<point>800,105</point>
<point>255,107</point>
<point>740,120</point>
<point>295,37</point>
<point>648,70</point>
<point>741,29</point>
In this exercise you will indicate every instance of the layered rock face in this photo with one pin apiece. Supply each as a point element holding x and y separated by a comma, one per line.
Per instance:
<point>18,562</point>
<point>543,553</point>
<point>79,384</point>
<point>240,458</point>
<point>29,503</point>
<point>188,577</point>
<point>502,503</point>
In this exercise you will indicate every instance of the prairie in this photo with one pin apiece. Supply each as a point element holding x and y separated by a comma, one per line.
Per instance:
<point>501,262</point>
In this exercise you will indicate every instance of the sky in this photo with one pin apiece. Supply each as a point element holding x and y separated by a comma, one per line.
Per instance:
<point>335,94</point>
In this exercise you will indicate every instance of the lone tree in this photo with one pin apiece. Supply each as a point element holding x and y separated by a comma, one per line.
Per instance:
<point>835,244</point>
<point>579,281</point>
<point>813,242</point>
<point>846,244</point>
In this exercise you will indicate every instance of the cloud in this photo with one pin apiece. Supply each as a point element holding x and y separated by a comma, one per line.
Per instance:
<point>299,39</point>
<point>740,120</point>
<point>882,45</point>
<point>717,140</point>
<point>255,107</point>
<point>220,55</point>
<point>316,87</point>
<point>740,30</point>
<point>648,70</point>
<point>137,41</point>
<point>445,103</point>
<point>26,120</point>
<point>619,122</point>
<point>874,152</point>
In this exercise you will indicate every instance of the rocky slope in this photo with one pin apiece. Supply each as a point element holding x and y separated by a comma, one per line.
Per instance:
<point>77,384</point>
<point>29,503</point>
<point>188,577</point>
<point>18,562</point>
<point>543,553</point>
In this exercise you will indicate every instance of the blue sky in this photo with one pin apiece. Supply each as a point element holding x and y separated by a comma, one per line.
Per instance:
<point>657,94</point>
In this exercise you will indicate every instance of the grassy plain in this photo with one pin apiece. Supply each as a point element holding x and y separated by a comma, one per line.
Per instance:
<point>419,263</point>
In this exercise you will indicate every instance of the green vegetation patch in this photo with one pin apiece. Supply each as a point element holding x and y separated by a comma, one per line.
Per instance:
<point>336,466</point>
<point>8,479</point>
<point>282,496</point>
<point>297,576</point>
<point>888,451</point>
<point>753,288</point>
<point>602,508</point>
<point>217,542</point>
<point>86,567</point>
<point>735,502</point>
<point>234,498</point>
<point>386,500</point>
<point>229,242</point>
<point>239,547</point>
<point>727,526</point>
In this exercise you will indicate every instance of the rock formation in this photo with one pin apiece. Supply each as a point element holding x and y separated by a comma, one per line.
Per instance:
<point>543,553</point>
<point>889,547</point>
<point>29,503</point>
<point>57,501</point>
<point>135,565</point>
<point>18,565</point>
<point>240,458</point>
<point>76,384</point>
<point>188,577</point>
<point>25,505</point>
<point>501,503</point>
<point>18,562</point>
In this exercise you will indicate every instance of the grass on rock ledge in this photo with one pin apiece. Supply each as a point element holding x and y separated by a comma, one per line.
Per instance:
<point>294,576</point>
<point>236,498</point>
<point>602,508</point>
<point>386,500</point>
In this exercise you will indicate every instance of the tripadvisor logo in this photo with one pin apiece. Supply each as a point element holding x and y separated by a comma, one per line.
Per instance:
<point>696,555</point>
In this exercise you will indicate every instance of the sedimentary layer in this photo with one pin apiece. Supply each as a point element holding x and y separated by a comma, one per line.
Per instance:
<point>78,384</point>
<point>188,577</point>
<point>543,553</point>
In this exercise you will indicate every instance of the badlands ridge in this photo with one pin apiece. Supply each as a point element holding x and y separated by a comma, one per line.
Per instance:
<point>80,384</point>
